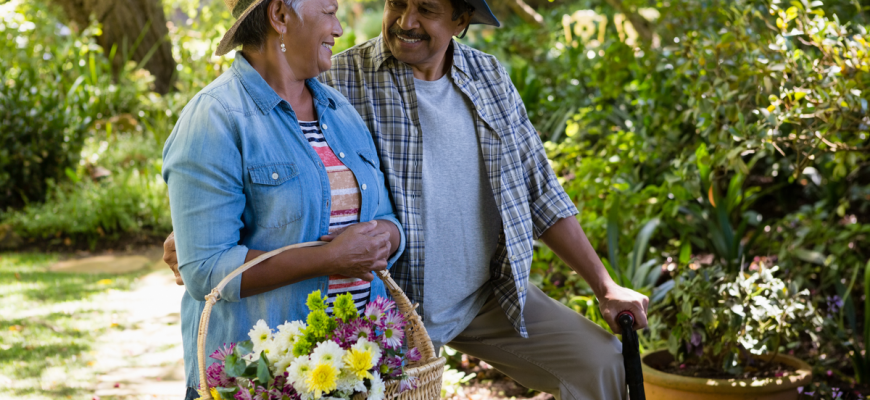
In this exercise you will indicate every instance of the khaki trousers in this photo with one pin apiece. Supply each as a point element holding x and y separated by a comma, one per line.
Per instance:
<point>565,355</point>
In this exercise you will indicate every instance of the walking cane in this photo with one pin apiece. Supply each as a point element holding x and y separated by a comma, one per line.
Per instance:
<point>631,356</point>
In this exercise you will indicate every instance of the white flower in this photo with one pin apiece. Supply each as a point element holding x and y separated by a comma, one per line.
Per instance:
<point>260,335</point>
<point>364,345</point>
<point>328,352</point>
<point>378,388</point>
<point>349,382</point>
<point>289,331</point>
<point>298,372</point>
<point>280,364</point>
<point>270,348</point>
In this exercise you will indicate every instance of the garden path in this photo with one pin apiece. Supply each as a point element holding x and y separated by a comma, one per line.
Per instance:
<point>143,358</point>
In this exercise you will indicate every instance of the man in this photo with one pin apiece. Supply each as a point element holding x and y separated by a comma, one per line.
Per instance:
<point>473,188</point>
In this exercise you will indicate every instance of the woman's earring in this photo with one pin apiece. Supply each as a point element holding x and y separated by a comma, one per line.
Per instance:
<point>283,48</point>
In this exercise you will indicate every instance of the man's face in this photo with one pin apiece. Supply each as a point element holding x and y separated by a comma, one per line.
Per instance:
<point>418,32</point>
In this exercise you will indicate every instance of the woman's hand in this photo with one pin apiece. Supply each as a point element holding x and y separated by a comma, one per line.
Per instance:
<point>356,252</point>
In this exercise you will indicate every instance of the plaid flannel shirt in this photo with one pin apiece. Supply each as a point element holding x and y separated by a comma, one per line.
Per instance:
<point>529,197</point>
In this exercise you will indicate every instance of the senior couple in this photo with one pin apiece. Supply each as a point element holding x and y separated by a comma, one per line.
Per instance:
<point>411,152</point>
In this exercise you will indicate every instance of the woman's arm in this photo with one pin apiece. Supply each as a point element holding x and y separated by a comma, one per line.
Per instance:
<point>203,170</point>
<point>357,252</point>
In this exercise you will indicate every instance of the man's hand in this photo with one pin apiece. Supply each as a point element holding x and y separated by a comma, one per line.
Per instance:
<point>618,299</point>
<point>171,259</point>
<point>356,254</point>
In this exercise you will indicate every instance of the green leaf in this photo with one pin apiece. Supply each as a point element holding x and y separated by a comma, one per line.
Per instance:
<point>613,238</point>
<point>72,175</point>
<point>685,252</point>
<point>228,393</point>
<point>263,374</point>
<point>641,243</point>
<point>702,159</point>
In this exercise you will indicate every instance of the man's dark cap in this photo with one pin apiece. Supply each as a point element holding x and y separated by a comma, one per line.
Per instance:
<point>482,13</point>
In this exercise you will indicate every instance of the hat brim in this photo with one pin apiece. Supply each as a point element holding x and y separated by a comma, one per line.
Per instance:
<point>226,44</point>
<point>482,14</point>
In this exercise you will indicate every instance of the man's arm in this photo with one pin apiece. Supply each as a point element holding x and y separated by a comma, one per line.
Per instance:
<point>567,239</point>
<point>553,216</point>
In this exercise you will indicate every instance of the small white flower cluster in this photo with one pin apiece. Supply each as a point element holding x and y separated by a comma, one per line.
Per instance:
<point>329,372</point>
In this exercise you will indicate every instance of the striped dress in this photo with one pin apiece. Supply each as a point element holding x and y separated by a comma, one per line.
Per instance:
<point>345,203</point>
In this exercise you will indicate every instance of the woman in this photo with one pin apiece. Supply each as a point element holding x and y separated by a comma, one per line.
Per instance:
<point>263,157</point>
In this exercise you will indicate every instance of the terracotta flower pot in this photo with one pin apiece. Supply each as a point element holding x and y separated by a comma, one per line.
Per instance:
<point>664,386</point>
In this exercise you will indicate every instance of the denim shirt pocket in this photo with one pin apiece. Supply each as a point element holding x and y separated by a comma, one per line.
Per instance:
<point>370,159</point>
<point>276,192</point>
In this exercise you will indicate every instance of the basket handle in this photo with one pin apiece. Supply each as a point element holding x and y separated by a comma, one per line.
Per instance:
<point>414,331</point>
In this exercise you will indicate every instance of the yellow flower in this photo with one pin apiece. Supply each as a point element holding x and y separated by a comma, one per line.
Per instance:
<point>359,362</point>
<point>323,379</point>
<point>214,394</point>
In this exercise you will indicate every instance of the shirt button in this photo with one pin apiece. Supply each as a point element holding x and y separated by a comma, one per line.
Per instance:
<point>275,175</point>
<point>364,186</point>
<point>324,126</point>
<point>341,155</point>
<point>521,288</point>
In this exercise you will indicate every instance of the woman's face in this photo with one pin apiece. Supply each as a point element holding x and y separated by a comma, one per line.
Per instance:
<point>309,41</point>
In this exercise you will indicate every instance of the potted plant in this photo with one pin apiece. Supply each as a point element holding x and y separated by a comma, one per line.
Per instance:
<point>726,336</point>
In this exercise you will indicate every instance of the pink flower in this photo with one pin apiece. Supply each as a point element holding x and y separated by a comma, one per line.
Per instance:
<point>216,377</point>
<point>413,355</point>
<point>376,309</point>
<point>393,319</point>
<point>391,337</point>
<point>243,394</point>
<point>408,383</point>
<point>363,329</point>
<point>221,353</point>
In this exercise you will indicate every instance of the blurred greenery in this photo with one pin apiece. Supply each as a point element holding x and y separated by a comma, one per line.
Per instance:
<point>49,323</point>
<point>737,135</point>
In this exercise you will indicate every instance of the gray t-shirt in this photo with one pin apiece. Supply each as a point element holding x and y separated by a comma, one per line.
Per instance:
<point>460,218</point>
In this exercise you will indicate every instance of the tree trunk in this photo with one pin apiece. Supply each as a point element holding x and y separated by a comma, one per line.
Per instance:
<point>123,22</point>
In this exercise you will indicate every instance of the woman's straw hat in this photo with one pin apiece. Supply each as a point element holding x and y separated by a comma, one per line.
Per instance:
<point>240,10</point>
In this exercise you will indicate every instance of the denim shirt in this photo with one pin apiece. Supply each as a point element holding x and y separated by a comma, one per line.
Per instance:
<point>242,176</point>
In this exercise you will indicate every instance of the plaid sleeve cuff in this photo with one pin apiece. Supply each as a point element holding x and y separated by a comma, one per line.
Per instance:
<point>549,208</point>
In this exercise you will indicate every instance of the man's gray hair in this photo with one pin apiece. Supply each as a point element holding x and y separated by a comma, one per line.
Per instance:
<point>252,32</point>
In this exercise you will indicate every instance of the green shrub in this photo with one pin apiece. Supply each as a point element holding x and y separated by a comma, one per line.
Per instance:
<point>54,84</point>
<point>132,199</point>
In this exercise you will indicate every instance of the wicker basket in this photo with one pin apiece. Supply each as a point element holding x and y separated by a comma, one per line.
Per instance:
<point>427,371</point>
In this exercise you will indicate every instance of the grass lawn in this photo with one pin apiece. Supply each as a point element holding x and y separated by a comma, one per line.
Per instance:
<point>49,324</point>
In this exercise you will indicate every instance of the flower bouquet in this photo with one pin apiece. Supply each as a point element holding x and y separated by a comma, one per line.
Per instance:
<point>326,357</point>
<point>343,356</point>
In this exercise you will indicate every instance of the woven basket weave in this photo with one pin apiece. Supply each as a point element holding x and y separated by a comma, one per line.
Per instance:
<point>427,371</point>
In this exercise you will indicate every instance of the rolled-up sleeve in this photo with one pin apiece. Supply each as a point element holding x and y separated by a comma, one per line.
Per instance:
<point>547,199</point>
<point>202,167</point>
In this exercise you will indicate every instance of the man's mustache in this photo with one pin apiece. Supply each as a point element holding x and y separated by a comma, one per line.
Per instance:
<point>395,30</point>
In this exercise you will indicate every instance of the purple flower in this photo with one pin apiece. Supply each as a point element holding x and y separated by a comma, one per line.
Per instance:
<point>392,319</point>
<point>413,355</point>
<point>216,377</point>
<point>363,329</point>
<point>376,309</point>
<point>221,353</point>
<point>243,394</point>
<point>408,383</point>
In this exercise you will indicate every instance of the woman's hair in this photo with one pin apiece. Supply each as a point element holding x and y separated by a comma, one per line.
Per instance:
<point>253,30</point>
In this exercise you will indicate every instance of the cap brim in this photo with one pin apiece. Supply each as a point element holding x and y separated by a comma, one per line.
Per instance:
<point>226,44</point>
